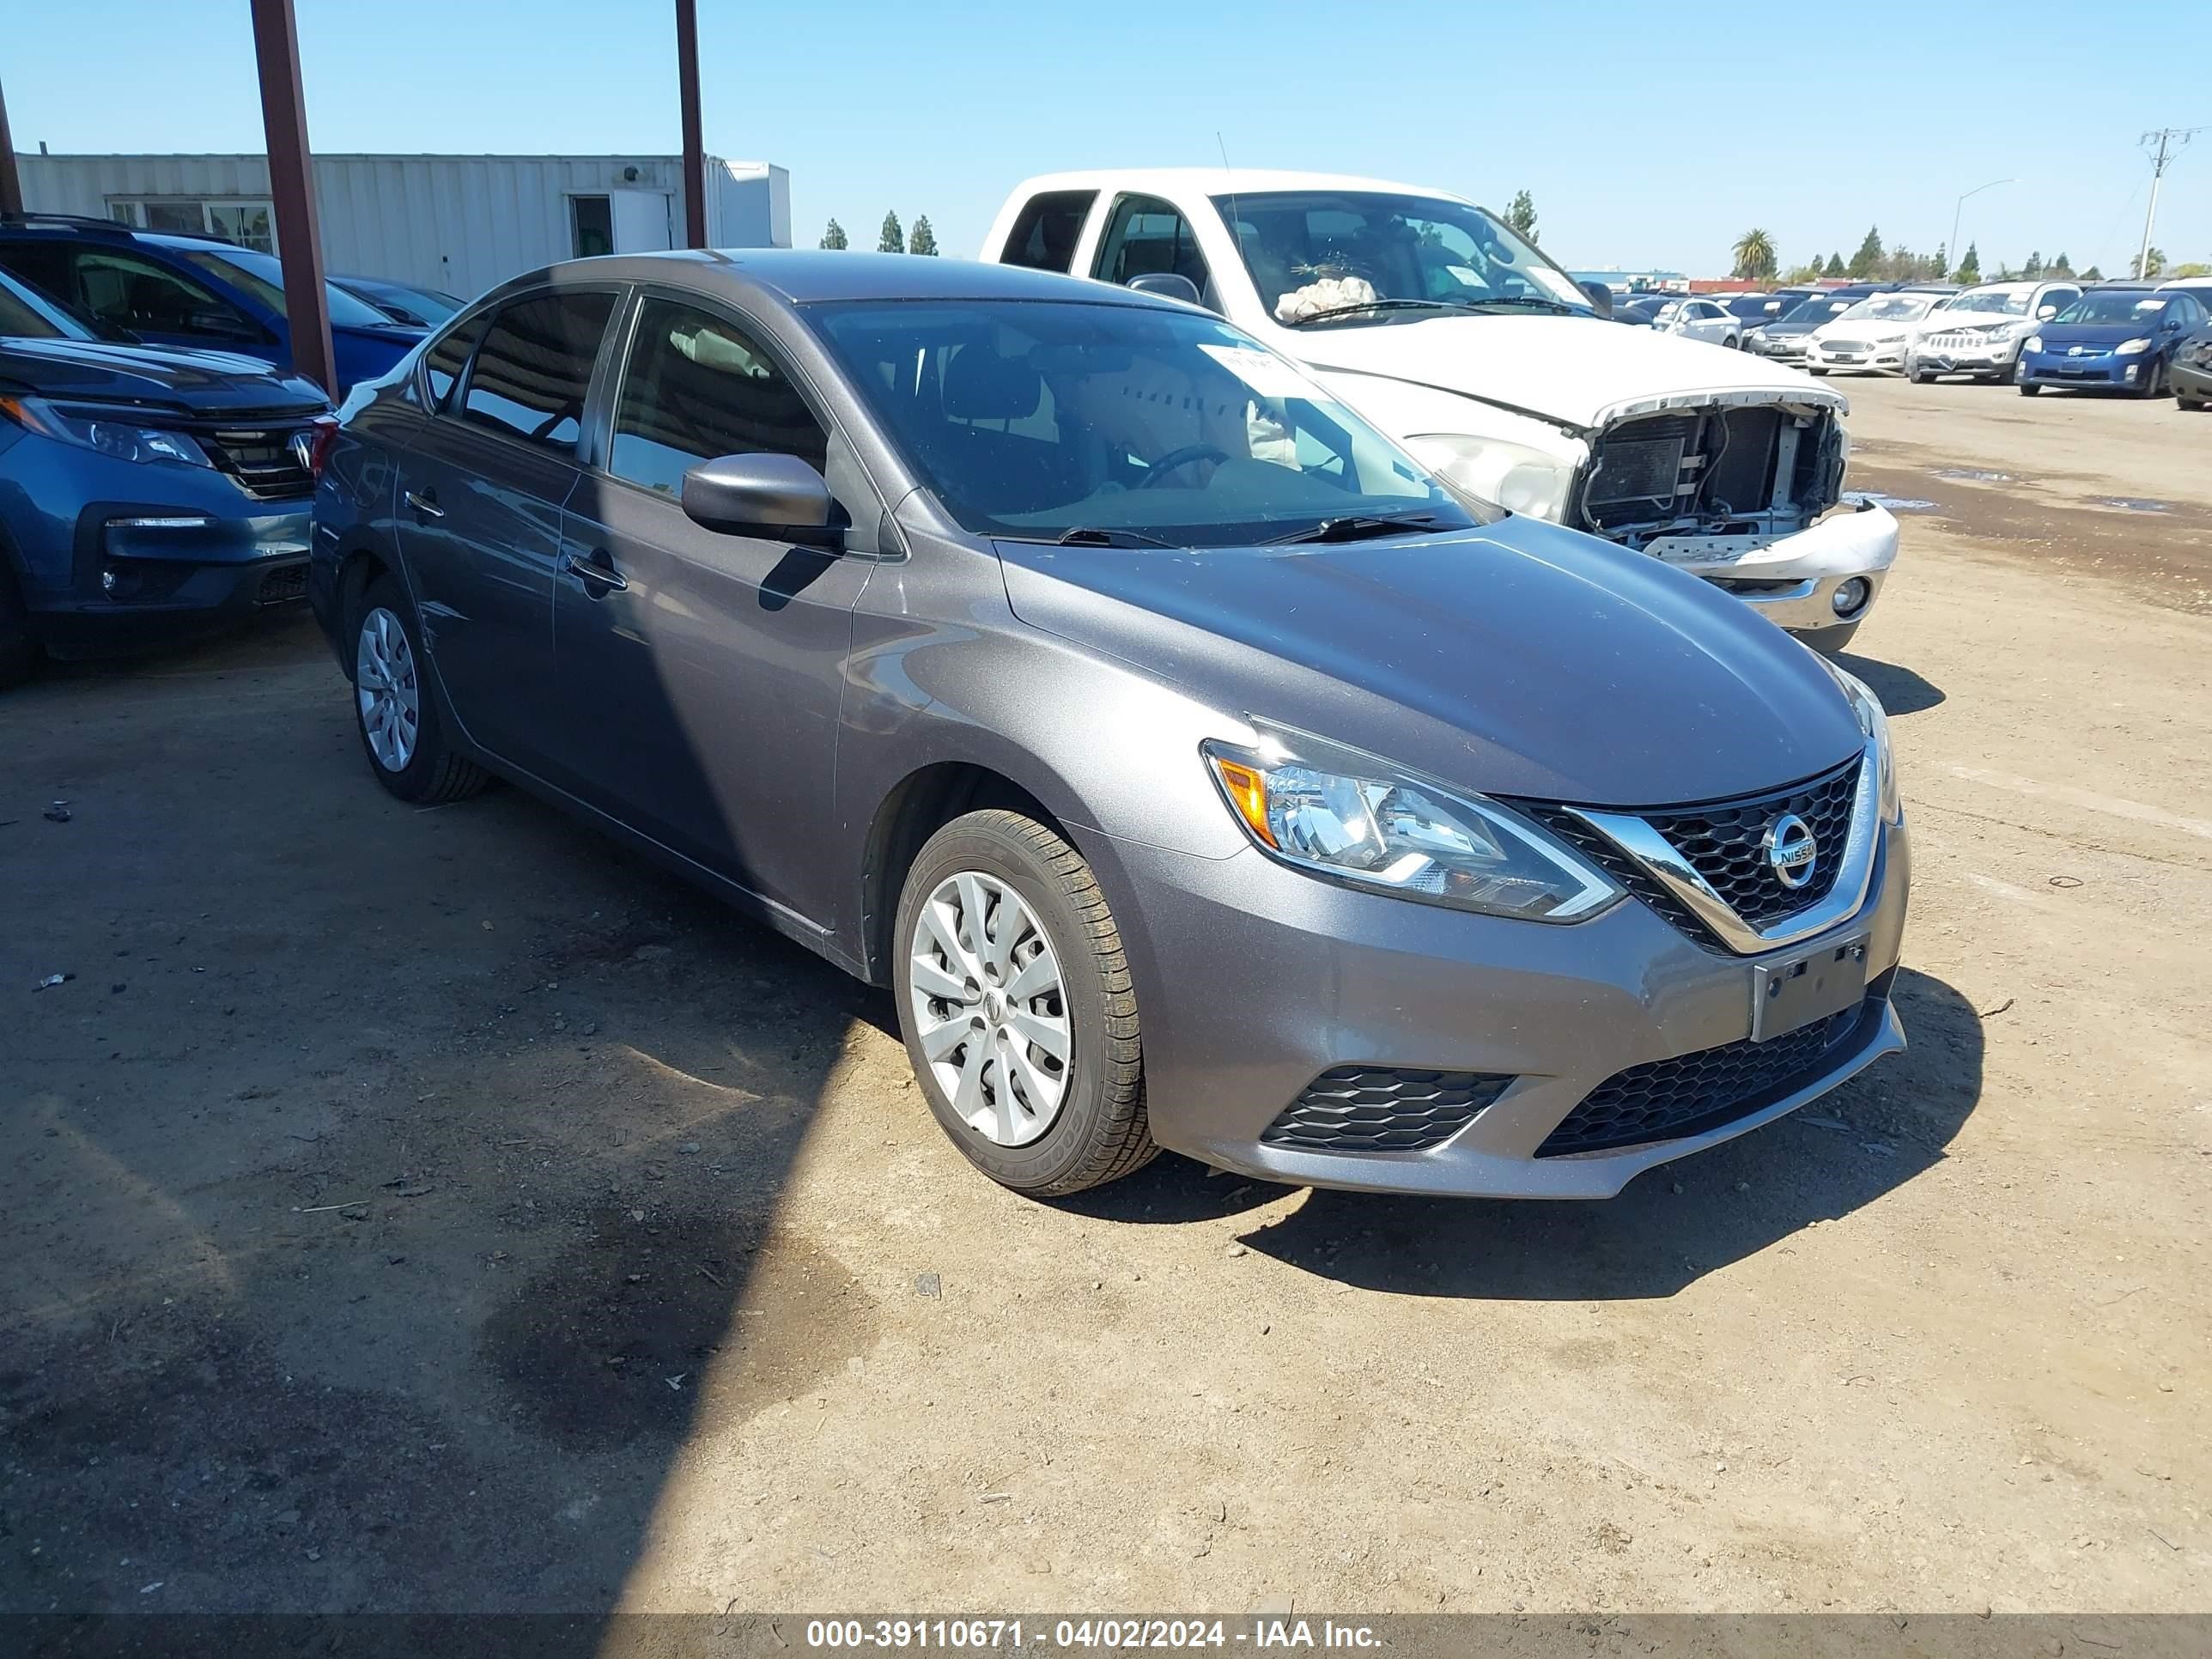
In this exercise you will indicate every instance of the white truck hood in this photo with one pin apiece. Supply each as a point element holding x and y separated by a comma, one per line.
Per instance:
<point>1578,372</point>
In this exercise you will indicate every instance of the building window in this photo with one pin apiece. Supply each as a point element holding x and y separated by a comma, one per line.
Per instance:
<point>249,222</point>
<point>592,225</point>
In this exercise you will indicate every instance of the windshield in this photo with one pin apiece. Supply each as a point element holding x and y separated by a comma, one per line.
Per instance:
<point>2004,301</point>
<point>1313,252</point>
<point>25,315</point>
<point>1029,420</point>
<point>1818,310</point>
<point>262,276</point>
<point>1750,306</point>
<point>2125,306</point>
<point>1890,308</point>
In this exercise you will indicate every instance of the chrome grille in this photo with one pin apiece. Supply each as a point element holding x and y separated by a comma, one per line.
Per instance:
<point>1843,345</point>
<point>260,458</point>
<point>1722,843</point>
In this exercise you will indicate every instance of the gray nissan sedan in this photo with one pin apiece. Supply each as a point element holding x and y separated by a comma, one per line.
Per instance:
<point>1196,770</point>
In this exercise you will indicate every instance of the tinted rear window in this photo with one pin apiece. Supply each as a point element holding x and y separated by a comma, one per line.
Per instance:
<point>535,366</point>
<point>1045,235</point>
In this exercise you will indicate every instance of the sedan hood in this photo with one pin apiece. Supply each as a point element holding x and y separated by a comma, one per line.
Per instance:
<point>2058,336</point>
<point>1578,372</point>
<point>1520,659</point>
<point>201,382</point>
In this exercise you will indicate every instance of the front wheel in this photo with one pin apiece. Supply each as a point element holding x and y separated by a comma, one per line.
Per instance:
<point>19,647</point>
<point>1820,372</point>
<point>393,709</point>
<point>2028,388</point>
<point>2191,403</point>
<point>2153,383</point>
<point>1016,1004</point>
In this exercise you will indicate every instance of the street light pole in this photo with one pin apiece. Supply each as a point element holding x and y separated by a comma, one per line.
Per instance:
<point>1951,247</point>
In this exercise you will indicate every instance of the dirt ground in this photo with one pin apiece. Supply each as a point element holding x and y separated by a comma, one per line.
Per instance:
<point>429,1210</point>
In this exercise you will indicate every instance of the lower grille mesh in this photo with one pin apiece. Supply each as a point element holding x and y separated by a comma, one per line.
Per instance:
<point>1689,1094</point>
<point>1373,1108</point>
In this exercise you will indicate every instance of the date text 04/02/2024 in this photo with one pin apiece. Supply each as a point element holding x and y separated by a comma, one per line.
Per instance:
<point>1113,1635</point>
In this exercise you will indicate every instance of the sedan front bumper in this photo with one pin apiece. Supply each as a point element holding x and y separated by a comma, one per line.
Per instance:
<point>1254,980</point>
<point>1867,357</point>
<point>2092,368</point>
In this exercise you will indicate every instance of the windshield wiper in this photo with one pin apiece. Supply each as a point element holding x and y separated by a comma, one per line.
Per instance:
<point>1530,299</point>
<point>1099,536</point>
<point>1358,527</point>
<point>1379,304</point>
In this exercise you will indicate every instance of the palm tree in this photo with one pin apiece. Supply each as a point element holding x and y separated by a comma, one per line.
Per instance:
<point>1754,258</point>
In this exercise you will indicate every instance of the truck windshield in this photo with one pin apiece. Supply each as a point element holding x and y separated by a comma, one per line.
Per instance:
<point>1314,254</point>
<point>1121,426</point>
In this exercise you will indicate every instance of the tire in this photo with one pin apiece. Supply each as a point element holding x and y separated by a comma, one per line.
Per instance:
<point>1097,1130</point>
<point>421,767</point>
<point>1733,343</point>
<point>2153,386</point>
<point>2028,388</point>
<point>1821,374</point>
<point>2191,403</point>
<point>20,654</point>
<point>1923,377</point>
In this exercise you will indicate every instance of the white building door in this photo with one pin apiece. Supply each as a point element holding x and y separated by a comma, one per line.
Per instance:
<point>642,222</point>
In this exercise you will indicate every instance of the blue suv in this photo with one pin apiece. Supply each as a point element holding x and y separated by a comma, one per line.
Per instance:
<point>145,493</point>
<point>195,291</point>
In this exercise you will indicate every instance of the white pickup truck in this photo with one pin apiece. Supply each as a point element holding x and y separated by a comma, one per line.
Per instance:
<point>1457,337</point>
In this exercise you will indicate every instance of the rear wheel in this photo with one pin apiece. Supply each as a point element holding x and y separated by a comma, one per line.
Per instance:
<point>1015,1001</point>
<point>393,710</point>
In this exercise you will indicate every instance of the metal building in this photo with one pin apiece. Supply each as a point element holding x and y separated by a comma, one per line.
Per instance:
<point>460,223</point>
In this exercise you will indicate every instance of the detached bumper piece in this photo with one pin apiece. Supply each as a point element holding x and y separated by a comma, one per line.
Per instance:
<point>1372,1108</point>
<point>1690,1094</point>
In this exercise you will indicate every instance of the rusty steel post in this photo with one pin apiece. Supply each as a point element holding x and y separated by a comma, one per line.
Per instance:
<point>687,96</point>
<point>292,191</point>
<point>11,182</point>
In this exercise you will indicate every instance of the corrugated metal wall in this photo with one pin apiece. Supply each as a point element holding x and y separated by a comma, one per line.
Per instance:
<point>456,222</point>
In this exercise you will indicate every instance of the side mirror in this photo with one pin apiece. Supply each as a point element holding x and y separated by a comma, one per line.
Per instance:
<point>748,495</point>
<point>2044,314</point>
<point>222,325</point>
<point>1601,296</point>
<point>1167,285</point>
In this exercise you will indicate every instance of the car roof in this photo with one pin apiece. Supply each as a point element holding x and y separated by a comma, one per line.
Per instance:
<point>1223,181</point>
<point>806,276</point>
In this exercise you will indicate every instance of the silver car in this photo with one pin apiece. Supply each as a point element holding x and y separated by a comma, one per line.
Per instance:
<point>1194,769</point>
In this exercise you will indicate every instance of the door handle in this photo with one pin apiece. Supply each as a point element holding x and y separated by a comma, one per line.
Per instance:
<point>595,570</point>
<point>425,505</point>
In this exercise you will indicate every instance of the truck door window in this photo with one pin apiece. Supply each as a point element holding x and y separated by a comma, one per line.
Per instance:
<point>1043,238</point>
<point>1146,236</point>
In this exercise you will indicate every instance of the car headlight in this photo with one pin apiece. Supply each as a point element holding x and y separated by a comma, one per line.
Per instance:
<point>1874,721</point>
<point>2034,342</point>
<point>1889,339</point>
<point>117,434</point>
<point>1347,816</point>
<point>2130,348</point>
<point>1515,477</point>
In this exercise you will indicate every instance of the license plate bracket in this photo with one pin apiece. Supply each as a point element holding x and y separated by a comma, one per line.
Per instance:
<point>1797,990</point>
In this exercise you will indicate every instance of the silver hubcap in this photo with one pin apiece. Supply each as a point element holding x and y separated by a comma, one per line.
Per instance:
<point>391,698</point>
<point>990,1015</point>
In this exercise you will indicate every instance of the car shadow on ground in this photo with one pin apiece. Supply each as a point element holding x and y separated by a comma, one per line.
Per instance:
<point>1900,689</point>
<point>392,1192</point>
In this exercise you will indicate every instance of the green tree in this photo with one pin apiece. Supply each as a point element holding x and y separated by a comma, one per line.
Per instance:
<point>2034,265</point>
<point>923,239</point>
<point>2062,267</point>
<point>2092,275</point>
<point>835,236</point>
<point>1970,268</point>
<point>1835,265</point>
<point>1867,262</point>
<point>1797,275</point>
<point>1520,214</point>
<point>2153,264</point>
<point>1940,267</point>
<point>1755,260</point>
<point>893,240</point>
<point>2191,268</point>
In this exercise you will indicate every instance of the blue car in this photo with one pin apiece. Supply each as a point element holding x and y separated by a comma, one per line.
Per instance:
<point>194,291</point>
<point>146,494</point>
<point>2118,337</point>
<point>402,302</point>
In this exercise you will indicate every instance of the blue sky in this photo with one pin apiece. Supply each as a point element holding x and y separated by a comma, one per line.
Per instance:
<point>1647,136</point>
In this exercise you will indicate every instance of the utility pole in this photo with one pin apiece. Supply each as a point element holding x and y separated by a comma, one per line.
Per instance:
<point>1951,247</point>
<point>292,188</point>
<point>687,103</point>
<point>2170,140</point>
